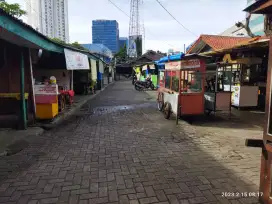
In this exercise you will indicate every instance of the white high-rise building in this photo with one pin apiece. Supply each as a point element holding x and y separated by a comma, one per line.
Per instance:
<point>50,17</point>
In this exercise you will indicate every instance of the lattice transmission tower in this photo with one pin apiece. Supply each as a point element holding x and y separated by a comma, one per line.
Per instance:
<point>135,31</point>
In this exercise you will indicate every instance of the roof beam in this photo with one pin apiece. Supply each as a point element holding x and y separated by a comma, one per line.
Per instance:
<point>28,34</point>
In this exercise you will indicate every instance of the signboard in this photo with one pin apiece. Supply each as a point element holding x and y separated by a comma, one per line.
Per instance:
<point>172,65</point>
<point>132,46</point>
<point>235,97</point>
<point>46,89</point>
<point>76,60</point>
<point>186,64</point>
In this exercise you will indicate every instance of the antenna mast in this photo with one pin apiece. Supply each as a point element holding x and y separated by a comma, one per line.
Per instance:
<point>134,28</point>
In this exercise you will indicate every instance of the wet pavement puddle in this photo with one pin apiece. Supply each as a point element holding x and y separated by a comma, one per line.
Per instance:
<point>110,109</point>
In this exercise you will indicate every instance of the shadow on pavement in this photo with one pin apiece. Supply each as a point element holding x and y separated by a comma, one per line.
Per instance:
<point>225,121</point>
<point>140,149</point>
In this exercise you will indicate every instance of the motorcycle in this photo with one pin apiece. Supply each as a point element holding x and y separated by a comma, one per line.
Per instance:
<point>134,79</point>
<point>141,85</point>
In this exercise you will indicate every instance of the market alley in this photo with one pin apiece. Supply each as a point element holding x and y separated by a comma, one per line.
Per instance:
<point>119,149</point>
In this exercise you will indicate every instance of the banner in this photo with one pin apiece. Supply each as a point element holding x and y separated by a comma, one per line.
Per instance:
<point>76,60</point>
<point>132,45</point>
<point>93,69</point>
<point>144,68</point>
<point>101,67</point>
<point>152,66</point>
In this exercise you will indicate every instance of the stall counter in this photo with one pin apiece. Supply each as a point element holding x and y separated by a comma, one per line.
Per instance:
<point>244,96</point>
<point>46,97</point>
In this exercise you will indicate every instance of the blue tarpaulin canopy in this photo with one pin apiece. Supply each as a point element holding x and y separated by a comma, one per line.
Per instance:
<point>160,65</point>
<point>171,58</point>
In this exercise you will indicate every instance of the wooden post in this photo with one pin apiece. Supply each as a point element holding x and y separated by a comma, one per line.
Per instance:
<point>178,109</point>
<point>23,120</point>
<point>72,80</point>
<point>32,86</point>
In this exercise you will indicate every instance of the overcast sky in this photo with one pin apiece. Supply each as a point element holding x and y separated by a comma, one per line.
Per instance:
<point>161,30</point>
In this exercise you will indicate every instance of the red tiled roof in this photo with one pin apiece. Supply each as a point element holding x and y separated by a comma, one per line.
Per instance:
<point>259,41</point>
<point>217,42</point>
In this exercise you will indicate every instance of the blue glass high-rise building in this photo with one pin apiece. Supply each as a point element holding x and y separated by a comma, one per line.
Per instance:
<point>106,32</point>
<point>122,42</point>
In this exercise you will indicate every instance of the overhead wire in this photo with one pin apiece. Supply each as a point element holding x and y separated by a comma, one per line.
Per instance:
<point>176,19</point>
<point>129,17</point>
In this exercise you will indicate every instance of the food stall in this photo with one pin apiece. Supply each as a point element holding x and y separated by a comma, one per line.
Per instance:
<point>160,68</point>
<point>46,98</point>
<point>152,71</point>
<point>183,90</point>
<point>244,90</point>
<point>218,81</point>
<point>53,88</point>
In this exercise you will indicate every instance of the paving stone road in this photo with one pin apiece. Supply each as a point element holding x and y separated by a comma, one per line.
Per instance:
<point>119,149</point>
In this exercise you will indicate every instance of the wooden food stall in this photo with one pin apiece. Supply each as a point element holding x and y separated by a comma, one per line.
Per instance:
<point>244,91</point>
<point>53,88</point>
<point>218,83</point>
<point>183,90</point>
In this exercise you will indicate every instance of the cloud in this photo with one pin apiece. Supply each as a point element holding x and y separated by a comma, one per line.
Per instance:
<point>199,16</point>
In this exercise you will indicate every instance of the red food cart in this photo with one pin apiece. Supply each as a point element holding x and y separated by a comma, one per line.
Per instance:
<point>183,90</point>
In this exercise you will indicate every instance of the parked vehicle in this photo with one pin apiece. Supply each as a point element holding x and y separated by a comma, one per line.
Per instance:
<point>134,79</point>
<point>141,85</point>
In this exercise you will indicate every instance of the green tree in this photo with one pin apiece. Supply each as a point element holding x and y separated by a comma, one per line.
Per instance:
<point>121,56</point>
<point>78,46</point>
<point>12,9</point>
<point>57,40</point>
<point>74,44</point>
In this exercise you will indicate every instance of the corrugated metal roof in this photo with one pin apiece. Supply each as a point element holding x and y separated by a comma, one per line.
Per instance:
<point>98,48</point>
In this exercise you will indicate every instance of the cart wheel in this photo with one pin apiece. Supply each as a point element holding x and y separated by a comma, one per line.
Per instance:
<point>207,112</point>
<point>160,101</point>
<point>167,110</point>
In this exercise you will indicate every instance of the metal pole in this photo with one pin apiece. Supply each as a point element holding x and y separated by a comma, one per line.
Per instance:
<point>32,85</point>
<point>72,80</point>
<point>216,80</point>
<point>184,48</point>
<point>22,94</point>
